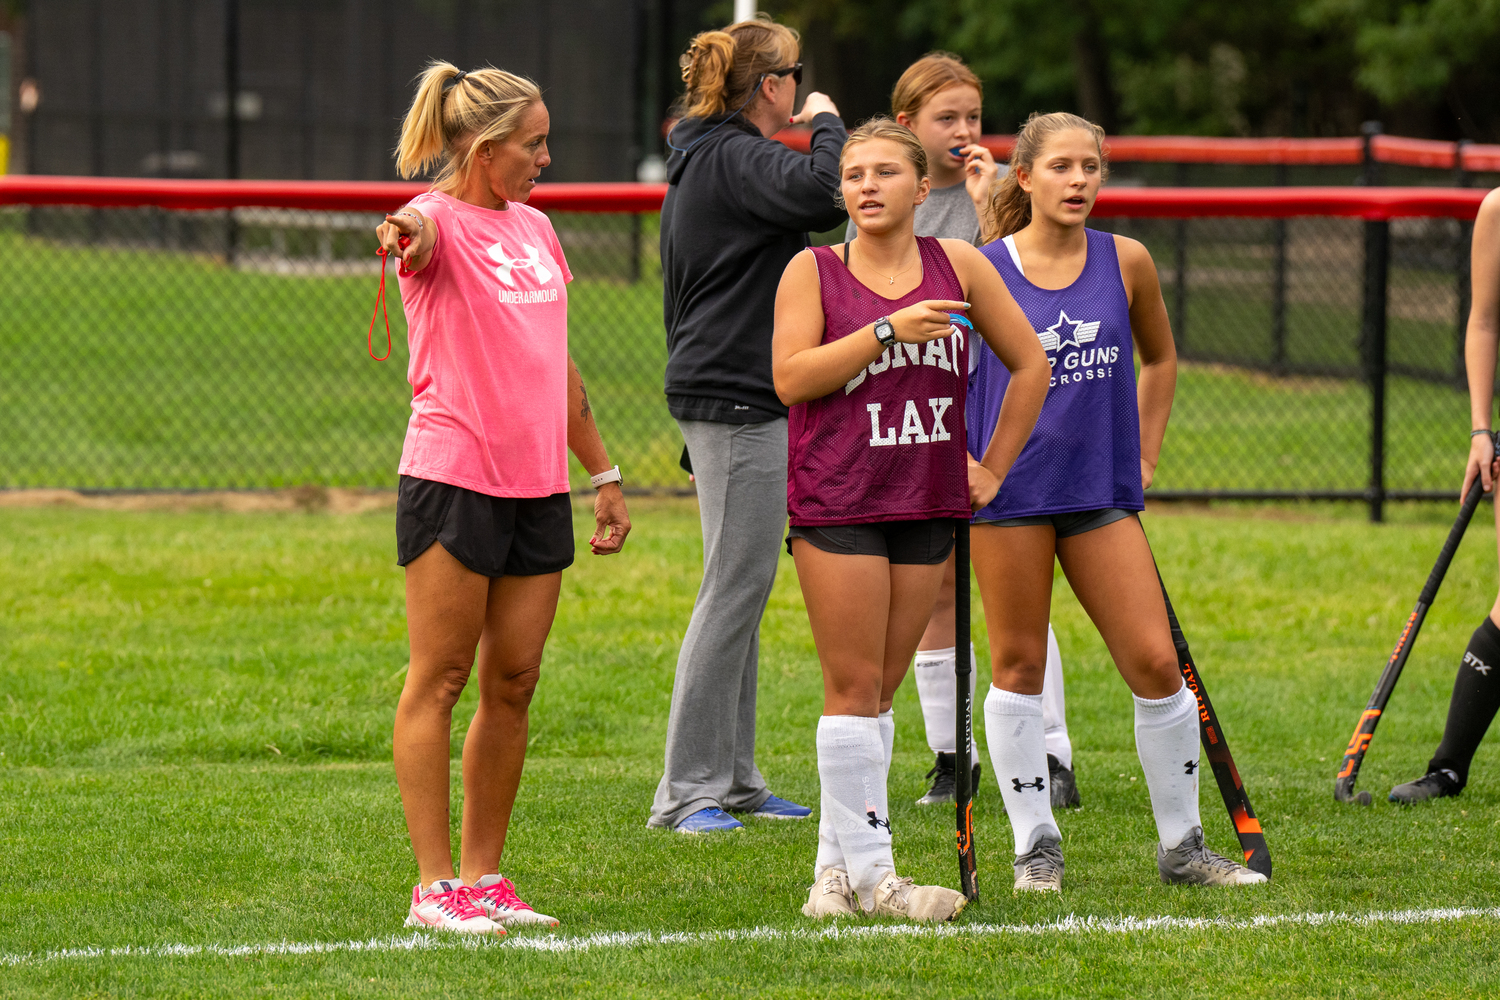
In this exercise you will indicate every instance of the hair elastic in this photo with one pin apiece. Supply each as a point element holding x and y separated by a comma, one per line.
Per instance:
<point>753,91</point>
<point>452,80</point>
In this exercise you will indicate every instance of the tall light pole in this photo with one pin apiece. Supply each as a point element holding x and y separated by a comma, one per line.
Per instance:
<point>744,10</point>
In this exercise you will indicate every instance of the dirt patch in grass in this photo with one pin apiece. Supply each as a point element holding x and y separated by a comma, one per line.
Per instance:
<point>335,500</point>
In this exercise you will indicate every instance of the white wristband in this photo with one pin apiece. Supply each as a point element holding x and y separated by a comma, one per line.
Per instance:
<point>605,478</point>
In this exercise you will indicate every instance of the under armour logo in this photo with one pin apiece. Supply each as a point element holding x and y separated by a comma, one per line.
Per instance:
<point>533,260</point>
<point>878,823</point>
<point>1022,785</point>
<point>1478,664</point>
<point>1189,767</point>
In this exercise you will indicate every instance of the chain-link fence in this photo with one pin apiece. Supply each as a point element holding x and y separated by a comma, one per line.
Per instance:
<point>155,349</point>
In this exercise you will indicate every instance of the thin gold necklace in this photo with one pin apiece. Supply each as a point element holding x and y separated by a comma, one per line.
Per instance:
<point>891,280</point>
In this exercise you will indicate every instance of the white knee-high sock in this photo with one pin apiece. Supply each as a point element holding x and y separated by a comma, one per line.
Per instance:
<point>830,854</point>
<point>887,720</point>
<point>1055,706</point>
<point>1018,753</point>
<point>938,693</point>
<point>1166,740</point>
<point>851,765</point>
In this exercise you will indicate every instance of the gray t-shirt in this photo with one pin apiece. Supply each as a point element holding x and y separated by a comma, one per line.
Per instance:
<point>948,213</point>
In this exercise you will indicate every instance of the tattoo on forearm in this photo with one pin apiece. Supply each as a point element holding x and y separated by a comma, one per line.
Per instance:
<point>586,411</point>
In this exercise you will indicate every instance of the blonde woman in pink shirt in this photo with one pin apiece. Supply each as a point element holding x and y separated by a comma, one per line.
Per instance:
<point>483,519</point>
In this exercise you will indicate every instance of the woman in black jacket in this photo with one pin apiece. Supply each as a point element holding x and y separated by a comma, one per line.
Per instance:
<point>739,208</point>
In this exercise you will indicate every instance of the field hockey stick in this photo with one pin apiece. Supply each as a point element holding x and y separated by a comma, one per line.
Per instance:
<point>1216,746</point>
<point>963,754</point>
<point>1364,731</point>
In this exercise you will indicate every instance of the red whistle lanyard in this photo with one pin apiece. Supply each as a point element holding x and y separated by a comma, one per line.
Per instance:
<point>380,306</point>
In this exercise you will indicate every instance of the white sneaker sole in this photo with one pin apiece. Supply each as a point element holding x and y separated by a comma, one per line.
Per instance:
<point>526,918</point>
<point>412,920</point>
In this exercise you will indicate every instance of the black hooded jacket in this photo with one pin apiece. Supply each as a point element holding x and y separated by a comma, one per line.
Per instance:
<point>739,208</point>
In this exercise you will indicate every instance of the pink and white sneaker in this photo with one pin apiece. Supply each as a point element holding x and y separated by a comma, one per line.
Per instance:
<point>496,896</point>
<point>449,905</point>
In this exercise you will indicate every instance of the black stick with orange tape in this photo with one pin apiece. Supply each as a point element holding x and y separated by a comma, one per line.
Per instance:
<point>1364,731</point>
<point>1216,746</point>
<point>963,775</point>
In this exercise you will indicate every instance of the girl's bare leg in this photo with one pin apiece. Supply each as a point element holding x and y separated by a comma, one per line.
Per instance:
<point>445,615</point>
<point>1113,575</point>
<point>1014,570</point>
<point>517,621</point>
<point>866,617</point>
<point>939,631</point>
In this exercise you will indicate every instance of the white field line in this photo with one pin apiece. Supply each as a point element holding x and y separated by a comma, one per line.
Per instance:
<point>1070,925</point>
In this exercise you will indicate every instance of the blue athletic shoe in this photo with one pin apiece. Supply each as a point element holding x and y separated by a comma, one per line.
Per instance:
<point>709,821</point>
<point>774,808</point>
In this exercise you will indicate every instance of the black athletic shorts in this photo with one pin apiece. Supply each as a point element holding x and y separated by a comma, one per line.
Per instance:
<point>493,536</point>
<point>1070,524</point>
<point>903,543</point>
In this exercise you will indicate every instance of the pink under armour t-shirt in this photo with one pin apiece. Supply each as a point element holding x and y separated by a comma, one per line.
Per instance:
<point>487,325</point>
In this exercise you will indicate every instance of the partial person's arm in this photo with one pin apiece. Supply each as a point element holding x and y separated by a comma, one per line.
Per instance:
<point>803,367</point>
<point>611,520</point>
<point>1481,338</point>
<point>1152,331</point>
<point>422,230</point>
<point>788,189</point>
<point>1006,329</point>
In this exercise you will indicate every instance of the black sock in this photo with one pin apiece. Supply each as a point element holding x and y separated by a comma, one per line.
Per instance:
<point>1476,696</point>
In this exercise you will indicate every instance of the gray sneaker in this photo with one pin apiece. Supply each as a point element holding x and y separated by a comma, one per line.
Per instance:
<point>1064,785</point>
<point>1432,785</point>
<point>1041,868</point>
<point>1192,863</point>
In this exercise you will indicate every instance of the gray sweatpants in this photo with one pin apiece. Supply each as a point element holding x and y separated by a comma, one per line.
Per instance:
<point>710,760</point>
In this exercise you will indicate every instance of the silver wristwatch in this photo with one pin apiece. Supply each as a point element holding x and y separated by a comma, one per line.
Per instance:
<point>884,332</point>
<point>607,477</point>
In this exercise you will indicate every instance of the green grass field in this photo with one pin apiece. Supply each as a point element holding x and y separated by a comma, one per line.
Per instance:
<point>129,368</point>
<point>196,795</point>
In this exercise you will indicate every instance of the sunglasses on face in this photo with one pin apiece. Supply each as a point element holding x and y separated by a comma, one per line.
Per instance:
<point>795,70</point>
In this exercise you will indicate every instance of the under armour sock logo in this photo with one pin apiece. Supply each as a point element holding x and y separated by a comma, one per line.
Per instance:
<point>1022,785</point>
<point>1189,767</point>
<point>878,823</point>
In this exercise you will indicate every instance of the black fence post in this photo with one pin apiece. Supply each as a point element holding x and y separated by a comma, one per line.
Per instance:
<point>1278,288</point>
<point>231,115</point>
<point>635,247</point>
<point>1179,304</point>
<point>1373,326</point>
<point>1463,238</point>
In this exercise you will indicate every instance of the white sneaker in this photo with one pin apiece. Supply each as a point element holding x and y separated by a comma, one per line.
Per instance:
<point>830,896</point>
<point>448,905</point>
<point>1041,868</point>
<point>496,896</point>
<point>899,897</point>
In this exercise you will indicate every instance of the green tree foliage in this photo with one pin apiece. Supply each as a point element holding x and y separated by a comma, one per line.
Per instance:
<point>1207,67</point>
<point>1175,66</point>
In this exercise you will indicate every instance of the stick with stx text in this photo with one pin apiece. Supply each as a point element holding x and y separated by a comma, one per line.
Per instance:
<point>1364,731</point>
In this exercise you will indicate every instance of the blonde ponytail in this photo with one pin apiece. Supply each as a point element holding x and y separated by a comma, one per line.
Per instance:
<point>723,69</point>
<point>453,113</point>
<point>1008,210</point>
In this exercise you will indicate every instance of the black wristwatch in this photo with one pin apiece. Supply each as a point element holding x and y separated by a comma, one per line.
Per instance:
<point>884,332</point>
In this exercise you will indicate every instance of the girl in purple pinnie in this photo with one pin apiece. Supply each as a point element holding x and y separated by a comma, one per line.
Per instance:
<point>873,361</point>
<point>1073,496</point>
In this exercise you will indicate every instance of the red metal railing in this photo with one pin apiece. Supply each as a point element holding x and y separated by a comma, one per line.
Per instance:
<point>330,196</point>
<point>1270,152</point>
<point>1268,202</point>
